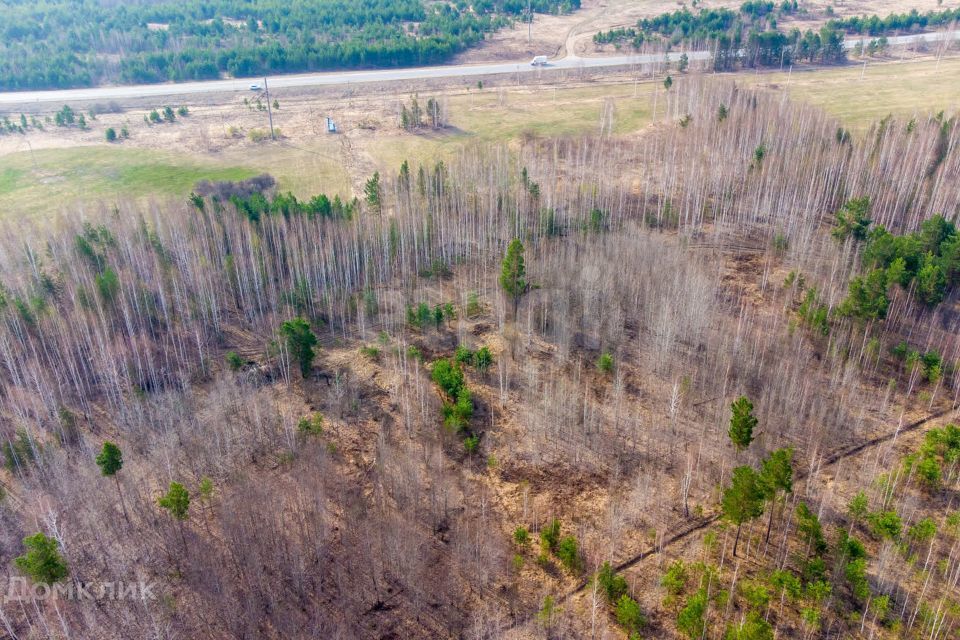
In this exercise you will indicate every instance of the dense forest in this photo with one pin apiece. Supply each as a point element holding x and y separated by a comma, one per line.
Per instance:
<point>75,44</point>
<point>751,36</point>
<point>748,37</point>
<point>897,22</point>
<point>679,385</point>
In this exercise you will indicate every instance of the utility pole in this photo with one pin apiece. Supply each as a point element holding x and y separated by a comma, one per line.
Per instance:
<point>269,108</point>
<point>529,23</point>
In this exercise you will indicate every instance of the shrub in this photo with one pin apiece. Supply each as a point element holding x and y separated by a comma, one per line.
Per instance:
<point>258,135</point>
<point>784,581</point>
<point>755,594</point>
<point>886,524</point>
<point>456,415</point>
<point>419,316</point>
<point>753,627</point>
<point>111,134</point>
<point>598,220</point>
<point>370,352</point>
<point>929,472</point>
<point>856,574</point>
<point>550,536</point>
<point>234,361</point>
<point>521,536</point>
<point>483,359</point>
<point>629,615</point>
<point>471,443</point>
<point>449,312</point>
<point>463,355</point>
<point>780,243</point>
<point>605,363</point>
<point>612,584</point>
<point>675,579</point>
<point>923,531</point>
<point>311,425</point>
<point>568,551</point>
<point>19,451</point>
<point>808,526</point>
<point>448,375</point>
<point>691,619</point>
<point>474,308</point>
<point>818,590</point>
<point>814,313</point>
<point>547,611</point>
<point>932,365</point>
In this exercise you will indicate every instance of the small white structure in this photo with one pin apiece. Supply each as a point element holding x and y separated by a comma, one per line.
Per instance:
<point>539,61</point>
<point>331,125</point>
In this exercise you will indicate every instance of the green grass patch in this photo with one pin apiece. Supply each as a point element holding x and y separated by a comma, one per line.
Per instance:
<point>8,179</point>
<point>48,179</point>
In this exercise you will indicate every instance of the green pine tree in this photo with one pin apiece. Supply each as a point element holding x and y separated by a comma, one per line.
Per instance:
<point>742,423</point>
<point>110,461</point>
<point>776,476</point>
<point>743,499</point>
<point>300,341</point>
<point>42,562</point>
<point>176,501</point>
<point>512,273</point>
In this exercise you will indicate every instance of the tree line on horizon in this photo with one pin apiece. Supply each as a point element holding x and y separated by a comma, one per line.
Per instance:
<point>78,44</point>
<point>752,37</point>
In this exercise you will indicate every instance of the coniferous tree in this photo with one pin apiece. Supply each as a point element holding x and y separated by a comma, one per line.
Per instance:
<point>110,461</point>
<point>743,499</point>
<point>42,562</point>
<point>372,193</point>
<point>483,359</point>
<point>176,501</point>
<point>742,423</point>
<point>691,619</point>
<point>512,273</point>
<point>776,476</point>
<point>300,341</point>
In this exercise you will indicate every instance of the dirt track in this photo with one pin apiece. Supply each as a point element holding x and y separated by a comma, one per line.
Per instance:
<point>698,524</point>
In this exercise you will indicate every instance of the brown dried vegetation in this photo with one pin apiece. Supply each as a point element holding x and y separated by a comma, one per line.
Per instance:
<point>669,251</point>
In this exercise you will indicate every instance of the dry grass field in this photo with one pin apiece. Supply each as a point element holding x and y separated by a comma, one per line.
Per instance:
<point>57,167</point>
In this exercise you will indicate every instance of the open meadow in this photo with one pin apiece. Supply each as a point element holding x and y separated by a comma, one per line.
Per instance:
<point>71,166</point>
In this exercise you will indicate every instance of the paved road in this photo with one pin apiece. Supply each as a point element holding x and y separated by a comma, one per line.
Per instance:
<point>379,75</point>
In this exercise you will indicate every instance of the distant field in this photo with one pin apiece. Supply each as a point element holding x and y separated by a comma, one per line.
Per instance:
<point>46,179</point>
<point>308,162</point>
<point>903,89</point>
